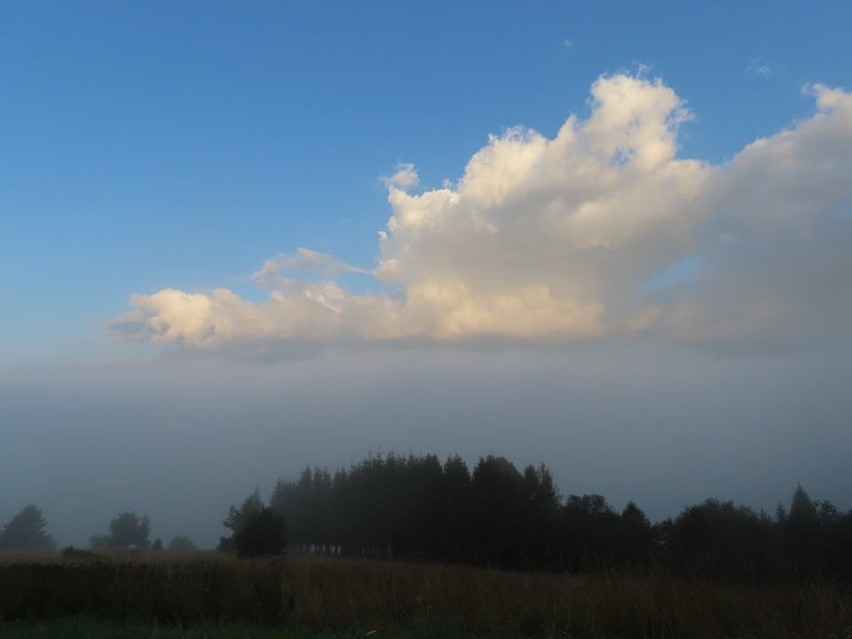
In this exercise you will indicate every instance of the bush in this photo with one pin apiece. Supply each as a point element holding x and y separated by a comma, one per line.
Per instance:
<point>181,543</point>
<point>263,533</point>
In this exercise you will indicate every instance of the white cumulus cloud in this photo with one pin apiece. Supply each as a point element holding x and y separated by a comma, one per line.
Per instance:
<point>552,239</point>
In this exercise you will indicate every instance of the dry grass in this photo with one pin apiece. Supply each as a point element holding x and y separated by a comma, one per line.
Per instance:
<point>169,589</point>
<point>333,594</point>
<point>338,594</point>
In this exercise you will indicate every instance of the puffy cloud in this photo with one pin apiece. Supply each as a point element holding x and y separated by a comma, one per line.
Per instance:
<point>777,249</point>
<point>405,177</point>
<point>553,239</point>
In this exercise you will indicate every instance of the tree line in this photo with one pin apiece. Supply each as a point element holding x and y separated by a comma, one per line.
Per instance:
<point>419,508</point>
<point>26,530</point>
<point>416,507</point>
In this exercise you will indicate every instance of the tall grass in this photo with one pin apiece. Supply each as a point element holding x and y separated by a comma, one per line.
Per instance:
<point>151,587</point>
<point>348,595</point>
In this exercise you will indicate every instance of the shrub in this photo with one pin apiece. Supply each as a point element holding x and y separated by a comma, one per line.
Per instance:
<point>263,533</point>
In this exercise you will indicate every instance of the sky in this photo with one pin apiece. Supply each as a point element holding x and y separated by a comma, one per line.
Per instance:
<point>614,237</point>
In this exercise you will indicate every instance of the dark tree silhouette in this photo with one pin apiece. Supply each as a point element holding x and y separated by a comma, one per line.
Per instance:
<point>542,535</point>
<point>25,531</point>
<point>723,538</point>
<point>237,518</point>
<point>591,530</point>
<point>802,528</point>
<point>637,539</point>
<point>453,525</point>
<point>128,530</point>
<point>414,507</point>
<point>500,505</point>
<point>262,533</point>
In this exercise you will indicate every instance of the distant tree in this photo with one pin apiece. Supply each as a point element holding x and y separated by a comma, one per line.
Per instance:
<point>99,542</point>
<point>455,534</point>
<point>262,533</point>
<point>306,506</point>
<point>238,517</point>
<point>181,543</point>
<point>129,529</point>
<point>591,530</point>
<point>542,529</point>
<point>636,542</point>
<point>126,530</point>
<point>634,514</point>
<point>722,537</point>
<point>25,531</point>
<point>157,545</point>
<point>802,507</point>
<point>414,530</point>
<point>499,491</point>
<point>839,546</point>
<point>802,526</point>
<point>827,512</point>
<point>415,507</point>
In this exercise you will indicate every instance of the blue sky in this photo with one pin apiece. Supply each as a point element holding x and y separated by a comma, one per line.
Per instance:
<point>228,248</point>
<point>161,144</point>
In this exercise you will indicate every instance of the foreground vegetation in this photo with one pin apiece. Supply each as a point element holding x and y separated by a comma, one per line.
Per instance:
<point>88,628</point>
<point>416,508</point>
<point>409,547</point>
<point>154,595</point>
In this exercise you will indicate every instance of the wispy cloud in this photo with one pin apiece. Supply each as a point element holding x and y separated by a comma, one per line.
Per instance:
<point>567,43</point>
<point>405,177</point>
<point>555,240</point>
<point>756,67</point>
<point>303,261</point>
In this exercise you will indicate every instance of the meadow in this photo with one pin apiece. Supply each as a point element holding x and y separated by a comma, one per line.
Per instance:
<point>213,595</point>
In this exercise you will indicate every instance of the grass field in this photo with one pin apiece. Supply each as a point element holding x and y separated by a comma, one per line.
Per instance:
<point>208,595</point>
